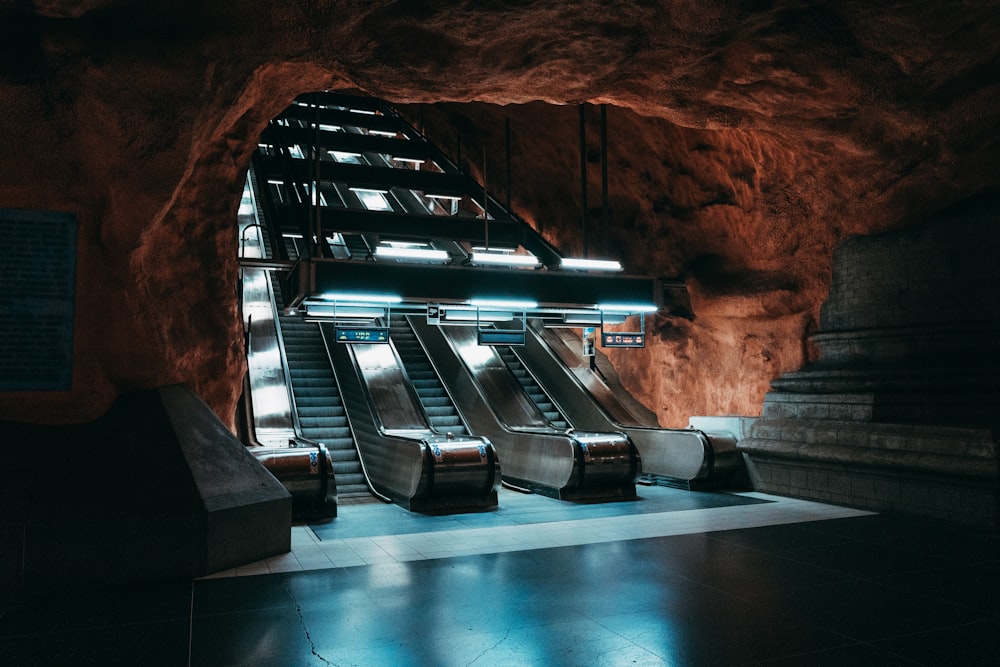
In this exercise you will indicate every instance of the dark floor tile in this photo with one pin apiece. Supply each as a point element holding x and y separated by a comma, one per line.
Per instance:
<point>865,611</point>
<point>719,630</point>
<point>515,508</point>
<point>576,642</point>
<point>933,539</point>
<point>72,609</point>
<point>971,645</point>
<point>972,586</point>
<point>864,559</point>
<point>154,644</point>
<point>741,571</point>
<point>273,636</point>
<point>337,588</point>
<point>954,544</point>
<point>854,655</point>
<point>777,539</point>
<point>229,594</point>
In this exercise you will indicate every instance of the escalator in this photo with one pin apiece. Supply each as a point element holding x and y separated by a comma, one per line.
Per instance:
<point>405,459</point>
<point>531,388</point>
<point>268,425</point>
<point>688,457</point>
<point>535,454</point>
<point>318,403</point>
<point>437,404</point>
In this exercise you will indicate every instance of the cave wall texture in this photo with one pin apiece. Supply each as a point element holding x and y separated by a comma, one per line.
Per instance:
<point>747,140</point>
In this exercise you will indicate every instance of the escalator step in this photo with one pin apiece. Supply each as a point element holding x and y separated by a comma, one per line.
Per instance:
<point>424,384</point>
<point>324,433</point>
<point>313,383</point>
<point>344,447</point>
<point>354,492</point>
<point>321,422</point>
<point>349,472</point>
<point>446,420</point>
<point>331,403</point>
<point>324,413</point>
<point>435,401</point>
<point>439,411</point>
<point>311,374</point>
<point>433,391</point>
<point>339,455</point>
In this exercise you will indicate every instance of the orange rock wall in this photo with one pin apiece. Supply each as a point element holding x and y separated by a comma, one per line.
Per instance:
<point>747,139</point>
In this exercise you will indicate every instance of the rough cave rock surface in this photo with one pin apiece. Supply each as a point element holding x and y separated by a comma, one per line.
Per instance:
<point>747,139</point>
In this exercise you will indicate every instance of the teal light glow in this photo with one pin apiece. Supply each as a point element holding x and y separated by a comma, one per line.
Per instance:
<point>627,307</point>
<point>589,264</point>
<point>362,298</point>
<point>503,303</point>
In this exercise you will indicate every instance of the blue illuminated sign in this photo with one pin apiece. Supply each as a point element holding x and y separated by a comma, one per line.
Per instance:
<point>500,337</point>
<point>369,335</point>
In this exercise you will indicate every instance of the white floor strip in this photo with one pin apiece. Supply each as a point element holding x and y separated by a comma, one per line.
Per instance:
<point>310,553</point>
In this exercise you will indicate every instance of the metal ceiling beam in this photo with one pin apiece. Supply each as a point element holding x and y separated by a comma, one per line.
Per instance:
<point>403,226</point>
<point>364,176</point>
<point>344,118</point>
<point>429,283</point>
<point>347,142</point>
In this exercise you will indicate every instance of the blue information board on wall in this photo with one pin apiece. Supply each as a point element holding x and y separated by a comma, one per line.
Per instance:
<point>37,299</point>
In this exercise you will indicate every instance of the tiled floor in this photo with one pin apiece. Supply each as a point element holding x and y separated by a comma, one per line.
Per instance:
<point>776,583</point>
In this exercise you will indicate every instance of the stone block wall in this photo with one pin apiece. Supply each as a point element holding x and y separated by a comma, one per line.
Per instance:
<point>901,410</point>
<point>942,272</point>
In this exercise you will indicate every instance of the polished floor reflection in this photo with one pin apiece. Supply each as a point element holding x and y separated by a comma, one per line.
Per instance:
<point>808,589</point>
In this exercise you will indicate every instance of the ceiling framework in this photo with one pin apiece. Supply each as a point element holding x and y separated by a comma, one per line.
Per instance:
<point>371,212</point>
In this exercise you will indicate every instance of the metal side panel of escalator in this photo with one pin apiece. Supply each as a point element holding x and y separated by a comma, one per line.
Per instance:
<point>405,459</point>
<point>688,457</point>
<point>318,402</point>
<point>534,454</point>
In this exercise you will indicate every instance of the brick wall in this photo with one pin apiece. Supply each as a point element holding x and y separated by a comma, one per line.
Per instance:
<point>942,271</point>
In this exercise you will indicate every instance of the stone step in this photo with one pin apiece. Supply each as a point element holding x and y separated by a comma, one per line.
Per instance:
<point>943,440</point>
<point>904,407</point>
<point>848,407</point>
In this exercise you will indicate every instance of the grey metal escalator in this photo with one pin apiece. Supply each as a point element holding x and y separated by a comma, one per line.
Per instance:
<point>318,402</point>
<point>268,426</point>
<point>534,454</point>
<point>691,457</point>
<point>404,458</point>
<point>438,406</point>
<point>532,389</point>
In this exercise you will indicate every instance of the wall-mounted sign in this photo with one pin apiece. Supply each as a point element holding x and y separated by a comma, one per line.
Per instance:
<point>364,335</point>
<point>623,340</point>
<point>589,341</point>
<point>37,298</point>
<point>500,337</point>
